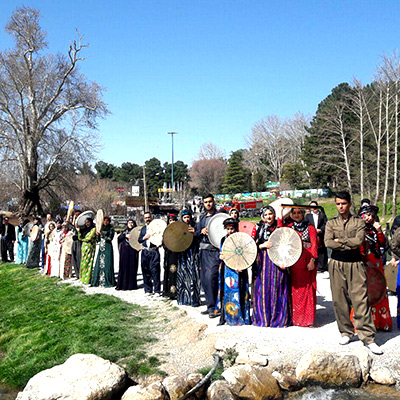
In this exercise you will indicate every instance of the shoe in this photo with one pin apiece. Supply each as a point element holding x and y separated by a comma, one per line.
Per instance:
<point>148,293</point>
<point>220,323</point>
<point>374,348</point>
<point>157,294</point>
<point>205,312</point>
<point>214,314</point>
<point>344,340</point>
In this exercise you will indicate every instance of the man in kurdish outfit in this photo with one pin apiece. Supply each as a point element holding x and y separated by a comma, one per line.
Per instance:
<point>209,257</point>
<point>7,241</point>
<point>345,234</point>
<point>150,260</point>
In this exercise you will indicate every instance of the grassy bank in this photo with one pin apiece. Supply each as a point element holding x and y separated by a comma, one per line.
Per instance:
<point>42,323</point>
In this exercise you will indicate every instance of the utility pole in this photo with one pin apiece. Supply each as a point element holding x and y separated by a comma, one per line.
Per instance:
<point>146,202</point>
<point>172,166</point>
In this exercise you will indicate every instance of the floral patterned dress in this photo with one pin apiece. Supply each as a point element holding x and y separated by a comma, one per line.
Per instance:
<point>88,250</point>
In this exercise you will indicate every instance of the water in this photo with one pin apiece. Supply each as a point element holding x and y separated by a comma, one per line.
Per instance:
<point>372,392</point>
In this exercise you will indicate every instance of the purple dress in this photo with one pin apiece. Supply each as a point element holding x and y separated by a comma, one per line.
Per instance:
<point>128,263</point>
<point>271,297</point>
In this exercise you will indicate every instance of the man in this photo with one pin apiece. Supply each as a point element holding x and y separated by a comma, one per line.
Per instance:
<point>209,257</point>
<point>345,234</point>
<point>317,218</point>
<point>7,241</point>
<point>150,261</point>
<point>76,251</point>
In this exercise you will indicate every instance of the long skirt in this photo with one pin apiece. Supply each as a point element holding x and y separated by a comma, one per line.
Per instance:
<point>88,250</point>
<point>188,279</point>
<point>233,297</point>
<point>304,286</point>
<point>22,249</point>
<point>103,271</point>
<point>33,259</point>
<point>271,298</point>
<point>128,267</point>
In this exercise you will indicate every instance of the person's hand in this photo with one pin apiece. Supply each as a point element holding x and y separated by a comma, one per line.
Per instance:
<point>78,229</point>
<point>146,236</point>
<point>191,229</point>
<point>204,231</point>
<point>12,241</point>
<point>394,262</point>
<point>319,230</point>
<point>128,236</point>
<point>266,245</point>
<point>221,256</point>
<point>377,226</point>
<point>282,267</point>
<point>311,265</point>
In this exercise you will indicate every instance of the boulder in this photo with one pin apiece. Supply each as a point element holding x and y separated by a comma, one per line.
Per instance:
<point>193,379</point>
<point>176,387</point>
<point>252,383</point>
<point>82,376</point>
<point>155,391</point>
<point>365,359</point>
<point>251,358</point>
<point>329,369</point>
<point>219,390</point>
<point>287,382</point>
<point>382,375</point>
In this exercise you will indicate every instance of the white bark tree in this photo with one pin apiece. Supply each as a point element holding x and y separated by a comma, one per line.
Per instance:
<point>48,109</point>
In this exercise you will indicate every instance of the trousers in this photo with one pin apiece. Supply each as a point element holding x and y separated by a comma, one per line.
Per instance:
<point>151,271</point>
<point>209,266</point>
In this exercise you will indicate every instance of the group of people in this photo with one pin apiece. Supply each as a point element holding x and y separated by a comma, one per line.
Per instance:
<point>276,295</point>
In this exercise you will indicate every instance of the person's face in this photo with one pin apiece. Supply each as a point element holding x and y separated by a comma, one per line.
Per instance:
<point>186,219</point>
<point>269,217</point>
<point>234,214</point>
<point>65,228</point>
<point>59,224</point>
<point>368,218</point>
<point>171,220</point>
<point>314,211</point>
<point>6,221</point>
<point>51,227</point>
<point>230,229</point>
<point>208,203</point>
<point>297,215</point>
<point>106,222</point>
<point>130,224</point>
<point>48,217</point>
<point>87,223</point>
<point>343,206</point>
<point>147,218</point>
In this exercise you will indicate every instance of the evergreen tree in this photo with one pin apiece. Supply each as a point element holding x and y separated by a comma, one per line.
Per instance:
<point>237,179</point>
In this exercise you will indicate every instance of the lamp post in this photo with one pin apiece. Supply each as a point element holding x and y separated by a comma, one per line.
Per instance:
<point>172,166</point>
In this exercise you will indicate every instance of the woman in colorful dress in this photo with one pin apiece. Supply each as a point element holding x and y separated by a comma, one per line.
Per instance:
<point>87,234</point>
<point>372,256</point>
<point>128,260</point>
<point>271,298</point>
<point>22,242</point>
<point>233,298</point>
<point>48,239</point>
<point>66,251</point>
<point>33,259</point>
<point>170,267</point>
<point>188,275</point>
<point>303,274</point>
<point>103,271</point>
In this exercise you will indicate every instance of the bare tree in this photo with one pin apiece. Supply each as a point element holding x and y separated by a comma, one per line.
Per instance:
<point>48,109</point>
<point>210,151</point>
<point>207,175</point>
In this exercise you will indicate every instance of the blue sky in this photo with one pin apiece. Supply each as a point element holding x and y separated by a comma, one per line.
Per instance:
<point>211,69</point>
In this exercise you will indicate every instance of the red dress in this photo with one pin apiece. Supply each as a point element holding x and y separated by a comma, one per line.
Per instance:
<point>370,251</point>
<point>303,281</point>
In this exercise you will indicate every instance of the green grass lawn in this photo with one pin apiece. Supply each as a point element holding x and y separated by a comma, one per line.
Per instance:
<point>42,323</point>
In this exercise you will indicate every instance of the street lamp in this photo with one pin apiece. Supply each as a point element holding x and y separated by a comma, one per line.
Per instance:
<point>172,166</point>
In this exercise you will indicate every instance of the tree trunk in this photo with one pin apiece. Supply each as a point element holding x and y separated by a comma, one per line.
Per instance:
<point>30,201</point>
<point>386,187</point>
<point>378,150</point>
<point>396,135</point>
<point>361,145</point>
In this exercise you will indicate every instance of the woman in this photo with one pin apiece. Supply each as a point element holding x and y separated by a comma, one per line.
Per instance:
<point>271,299</point>
<point>66,251</point>
<point>372,256</point>
<point>48,238</point>
<point>128,260</point>
<point>303,273</point>
<point>188,275</point>
<point>54,250</point>
<point>234,213</point>
<point>233,297</point>
<point>33,259</point>
<point>22,242</point>
<point>170,267</point>
<point>103,272</point>
<point>87,234</point>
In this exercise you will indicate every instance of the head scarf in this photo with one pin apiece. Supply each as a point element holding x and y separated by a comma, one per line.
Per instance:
<point>86,229</point>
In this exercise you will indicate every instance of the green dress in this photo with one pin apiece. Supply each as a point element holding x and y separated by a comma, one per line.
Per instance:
<point>103,271</point>
<point>88,249</point>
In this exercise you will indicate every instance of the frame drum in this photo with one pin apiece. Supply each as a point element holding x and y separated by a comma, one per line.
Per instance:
<point>156,230</point>
<point>240,251</point>
<point>216,230</point>
<point>376,285</point>
<point>80,221</point>
<point>133,241</point>
<point>286,247</point>
<point>277,206</point>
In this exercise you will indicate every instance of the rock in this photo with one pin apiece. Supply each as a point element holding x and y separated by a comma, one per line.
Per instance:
<point>329,369</point>
<point>155,391</point>
<point>287,382</point>
<point>365,359</point>
<point>219,390</point>
<point>223,344</point>
<point>82,376</point>
<point>252,383</point>
<point>382,375</point>
<point>176,386</point>
<point>251,358</point>
<point>193,379</point>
